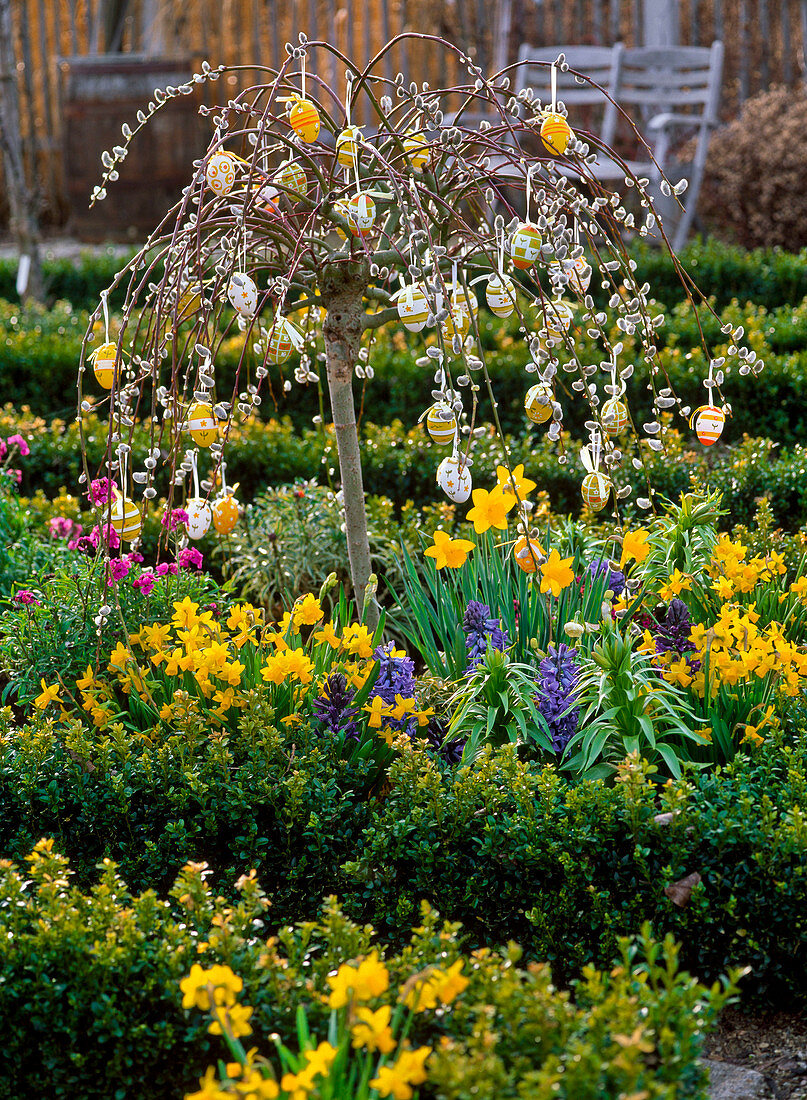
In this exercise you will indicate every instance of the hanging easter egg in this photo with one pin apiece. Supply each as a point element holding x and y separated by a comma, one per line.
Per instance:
<point>189,302</point>
<point>500,294</point>
<point>528,554</point>
<point>104,365</point>
<point>360,214</point>
<point>125,518</point>
<point>220,173</point>
<point>413,308</point>
<point>225,514</point>
<point>525,245</point>
<point>200,517</point>
<point>266,197</point>
<point>283,339</point>
<point>558,317</point>
<point>538,403</point>
<point>416,148</point>
<point>347,146</point>
<point>556,133</point>
<point>577,273</point>
<point>243,294</point>
<point>708,422</point>
<point>596,489</point>
<point>442,428</point>
<point>454,478</point>
<point>614,416</point>
<point>304,120</point>
<point>201,424</point>
<point>290,175</point>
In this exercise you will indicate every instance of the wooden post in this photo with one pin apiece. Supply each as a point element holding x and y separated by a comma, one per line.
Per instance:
<point>23,200</point>
<point>661,23</point>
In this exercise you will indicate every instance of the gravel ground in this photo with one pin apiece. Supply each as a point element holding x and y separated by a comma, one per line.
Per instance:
<point>773,1044</point>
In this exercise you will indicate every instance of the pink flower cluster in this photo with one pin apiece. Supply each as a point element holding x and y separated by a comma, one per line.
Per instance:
<point>175,518</point>
<point>14,441</point>
<point>26,597</point>
<point>88,543</point>
<point>60,527</point>
<point>101,491</point>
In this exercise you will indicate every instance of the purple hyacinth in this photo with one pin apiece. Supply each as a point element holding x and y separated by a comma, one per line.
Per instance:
<point>672,632</point>
<point>614,578</point>
<point>559,674</point>
<point>333,708</point>
<point>396,676</point>
<point>480,631</point>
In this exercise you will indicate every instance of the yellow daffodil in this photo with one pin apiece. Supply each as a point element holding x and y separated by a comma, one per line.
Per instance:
<point>675,585</point>
<point>307,611</point>
<point>408,1069</point>
<point>556,574</point>
<point>50,693</point>
<point>369,979</point>
<point>490,509</point>
<point>372,1031</point>
<point>357,640</point>
<point>185,613</point>
<point>449,552</point>
<point>507,483</point>
<point>197,986</point>
<point>635,545</point>
<point>327,634</point>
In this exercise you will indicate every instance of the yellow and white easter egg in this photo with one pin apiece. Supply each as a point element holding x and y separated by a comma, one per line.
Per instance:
<point>220,173</point>
<point>304,120</point>
<point>201,424</point>
<point>556,133</point>
<point>538,403</point>
<point>125,518</point>
<point>413,308</point>
<point>614,416</point>
<point>457,321</point>
<point>347,146</point>
<point>708,422</point>
<point>416,148</point>
<point>243,294</point>
<point>558,316</point>
<point>596,489</point>
<point>578,273</point>
<point>200,517</point>
<point>225,514</point>
<point>525,245</point>
<point>528,554</point>
<point>360,214</point>
<point>500,294</point>
<point>442,429</point>
<point>291,175</point>
<point>454,478</point>
<point>105,365</point>
<point>283,339</point>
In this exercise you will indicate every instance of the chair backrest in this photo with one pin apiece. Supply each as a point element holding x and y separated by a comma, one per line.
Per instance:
<point>684,80</point>
<point>600,64</point>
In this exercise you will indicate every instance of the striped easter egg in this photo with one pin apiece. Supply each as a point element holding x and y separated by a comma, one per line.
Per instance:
<point>525,246</point>
<point>558,317</point>
<point>413,308</point>
<point>500,294</point>
<point>708,422</point>
<point>283,339</point>
<point>347,148</point>
<point>556,133</point>
<point>440,429</point>
<point>201,425</point>
<point>416,148</point>
<point>126,519</point>
<point>596,489</point>
<point>104,365</point>
<point>304,120</point>
<point>360,214</point>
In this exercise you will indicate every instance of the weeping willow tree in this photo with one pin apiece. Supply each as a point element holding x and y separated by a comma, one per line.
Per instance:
<point>446,195</point>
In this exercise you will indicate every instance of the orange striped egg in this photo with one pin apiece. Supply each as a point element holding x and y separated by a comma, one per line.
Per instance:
<point>614,416</point>
<point>413,308</point>
<point>525,246</point>
<point>201,425</point>
<point>126,519</point>
<point>556,133</point>
<point>528,554</point>
<point>500,294</point>
<point>416,148</point>
<point>347,148</point>
<point>220,173</point>
<point>454,478</point>
<point>200,517</point>
<point>708,422</point>
<point>225,514</point>
<point>291,176</point>
<point>105,365</point>
<point>558,317</point>
<point>283,338</point>
<point>596,489</point>
<point>538,403</point>
<point>243,294</point>
<point>441,429</point>
<point>304,120</point>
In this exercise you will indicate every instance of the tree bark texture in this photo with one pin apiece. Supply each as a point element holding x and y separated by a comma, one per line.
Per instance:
<point>342,285</point>
<point>22,199</point>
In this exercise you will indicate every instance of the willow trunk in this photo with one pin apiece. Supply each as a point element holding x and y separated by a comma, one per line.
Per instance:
<point>342,286</point>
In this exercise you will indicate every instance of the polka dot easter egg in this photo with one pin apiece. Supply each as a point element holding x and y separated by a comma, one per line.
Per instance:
<point>225,514</point>
<point>220,173</point>
<point>243,294</point>
<point>454,478</point>
<point>200,516</point>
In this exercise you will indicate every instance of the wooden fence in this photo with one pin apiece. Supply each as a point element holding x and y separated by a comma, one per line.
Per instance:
<point>765,44</point>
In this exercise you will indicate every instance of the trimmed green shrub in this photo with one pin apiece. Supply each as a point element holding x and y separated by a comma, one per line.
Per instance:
<point>90,998</point>
<point>510,849</point>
